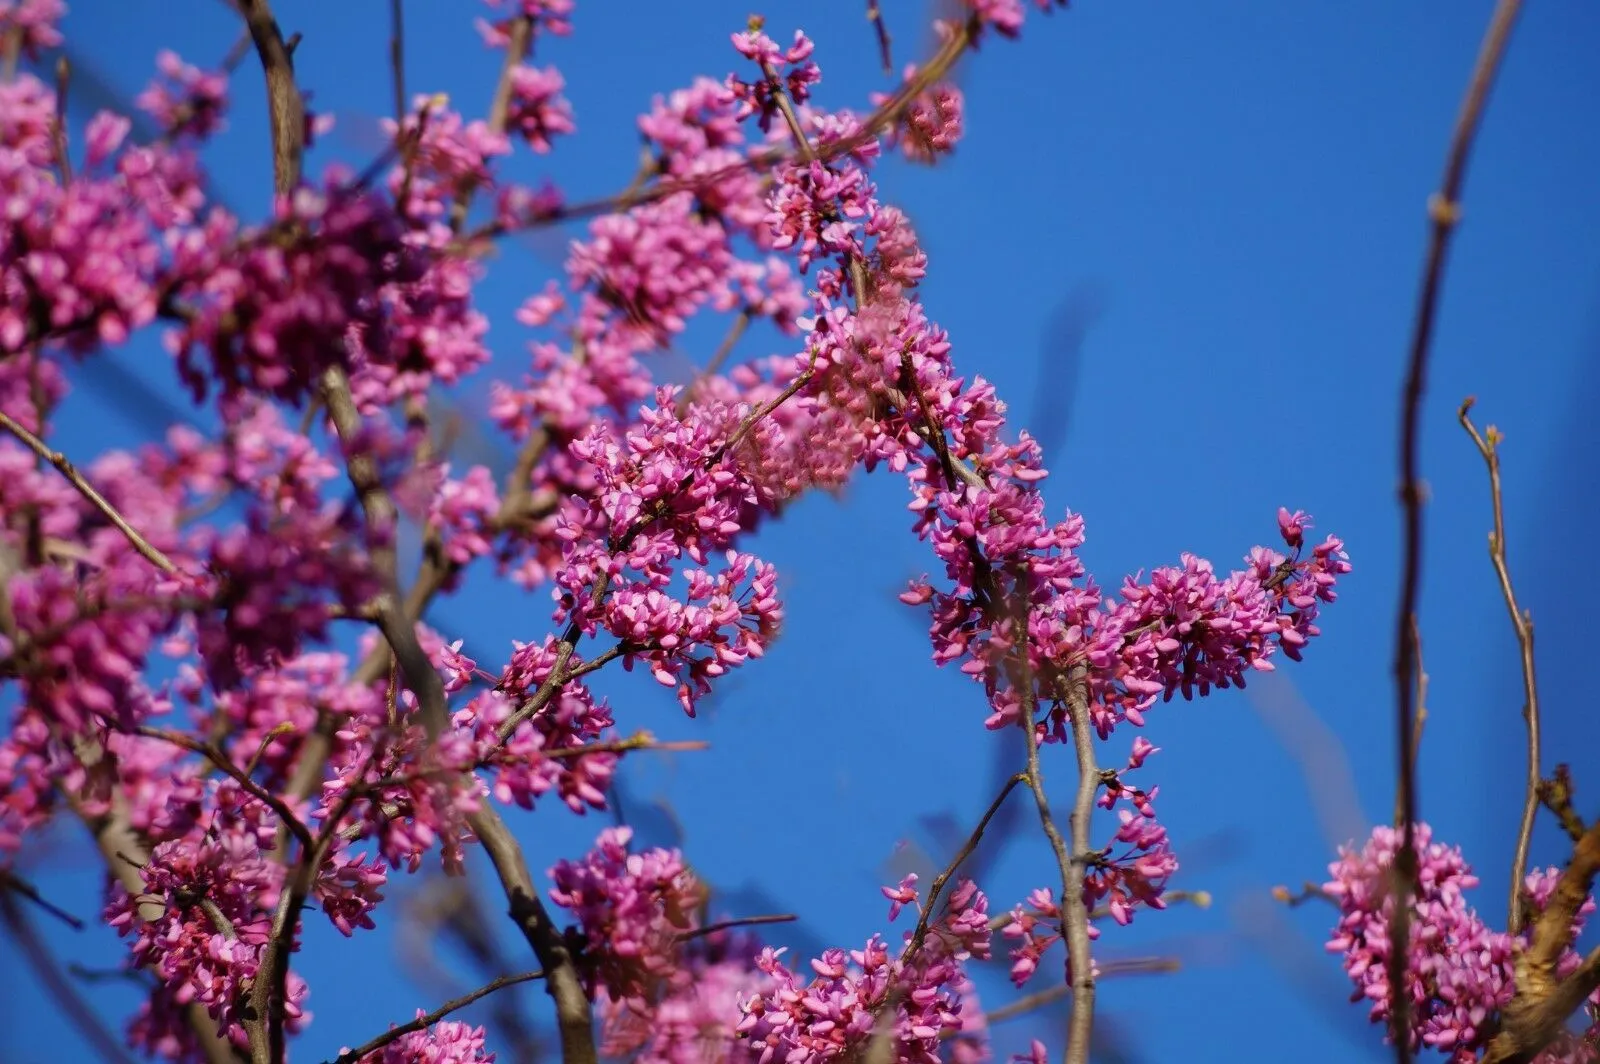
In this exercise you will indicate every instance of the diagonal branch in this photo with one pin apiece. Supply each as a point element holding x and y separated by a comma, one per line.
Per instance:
<point>64,465</point>
<point>394,1034</point>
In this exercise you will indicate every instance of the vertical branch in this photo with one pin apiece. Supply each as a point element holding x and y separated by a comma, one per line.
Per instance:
<point>1074,915</point>
<point>285,108</point>
<point>572,1005</point>
<point>397,58</point>
<point>1522,625</point>
<point>1444,213</point>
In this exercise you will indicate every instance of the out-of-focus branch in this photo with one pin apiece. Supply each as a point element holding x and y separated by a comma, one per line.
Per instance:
<point>1488,444</point>
<point>48,971</point>
<point>1444,213</point>
<point>1108,969</point>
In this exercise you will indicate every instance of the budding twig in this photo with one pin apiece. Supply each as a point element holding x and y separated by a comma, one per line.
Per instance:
<point>1488,445</point>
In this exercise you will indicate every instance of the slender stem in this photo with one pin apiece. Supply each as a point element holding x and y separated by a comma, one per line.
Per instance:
<point>87,490</point>
<point>1522,625</point>
<point>222,761</point>
<point>1074,915</point>
<point>929,907</point>
<point>394,1034</point>
<point>1444,212</point>
<point>743,921</point>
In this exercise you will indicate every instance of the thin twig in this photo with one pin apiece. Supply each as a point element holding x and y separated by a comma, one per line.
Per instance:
<point>743,921</point>
<point>1444,213</point>
<point>1488,444</point>
<point>1309,892</point>
<point>397,58</point>
<point>77,480</point>
<point>1050,995</point>
<point>222,761</point>
<point>12,883</point>
<point>393,1034</point>
<point>875,16</point>
<point>929,907</point>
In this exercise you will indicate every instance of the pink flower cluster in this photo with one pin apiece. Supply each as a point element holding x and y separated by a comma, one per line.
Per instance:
<point>145,696</point>
<point>633,911</point>
<point>1459,972</point>
<point>922,994</point>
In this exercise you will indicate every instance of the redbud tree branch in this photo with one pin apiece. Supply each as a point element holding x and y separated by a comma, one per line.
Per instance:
<point>1522,624</point>
<point>887,115</point>
<point>393,1034</point>
<point>64,465</point>
<point>1444,212</point>
<point>1073,865</point>
<point>1539,1010</point>
<point>111,831</point>
<point>266,1027</point>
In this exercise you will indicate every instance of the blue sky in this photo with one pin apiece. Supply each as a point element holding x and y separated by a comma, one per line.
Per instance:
<point>1239,190</point>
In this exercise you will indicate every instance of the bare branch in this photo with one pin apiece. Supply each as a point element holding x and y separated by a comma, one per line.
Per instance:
<point>1444,213</point>
<point>1488,445</point>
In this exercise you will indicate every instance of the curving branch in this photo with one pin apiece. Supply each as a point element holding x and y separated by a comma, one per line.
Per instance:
<point>1444,214</point>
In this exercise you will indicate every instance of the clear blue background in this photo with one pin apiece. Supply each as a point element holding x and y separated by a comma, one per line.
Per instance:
<point>1239,188</point>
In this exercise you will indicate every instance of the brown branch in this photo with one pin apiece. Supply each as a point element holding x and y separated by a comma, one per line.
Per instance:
<point>1074,916</point>
<point>11,883</point>
<point>875,16</point>
<point>115,839</point>
<point>743,921</point>
<point>393,1034</point>
<point>1522,625</point>
<point>1444,212</point>
<point>285,108</point>
<point>1543,1001</point>
<point>397,58</point>
<point>77,480</point>
<point>1556,794</point>
<point>58,124</point>
<point>222,761</point>
<point>921,933</point>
